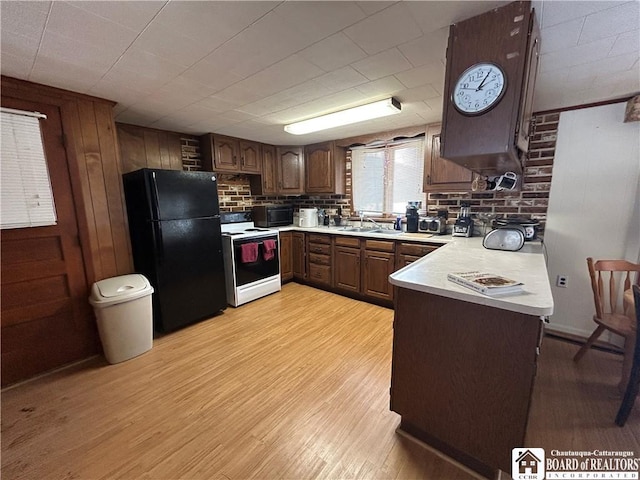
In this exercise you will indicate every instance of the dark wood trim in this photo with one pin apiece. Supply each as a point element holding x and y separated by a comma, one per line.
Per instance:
<point>586,105</point>
<point>29,89</point>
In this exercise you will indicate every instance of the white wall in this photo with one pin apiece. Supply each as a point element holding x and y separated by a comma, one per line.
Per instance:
<point>594,206</point>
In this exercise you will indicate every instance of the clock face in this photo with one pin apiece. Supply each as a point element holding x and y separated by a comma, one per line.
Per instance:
<point>479,88</point>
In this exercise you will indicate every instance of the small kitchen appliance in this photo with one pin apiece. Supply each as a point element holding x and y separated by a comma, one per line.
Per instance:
<point>464,223</point>
<point>437,225</point>
<point>530,226</point>
<point>509,237</point>
<point>272,215</point>
<point>308,217</point>
<point>413,216</point>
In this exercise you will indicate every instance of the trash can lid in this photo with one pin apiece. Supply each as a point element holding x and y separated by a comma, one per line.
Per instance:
<point>122,285</point>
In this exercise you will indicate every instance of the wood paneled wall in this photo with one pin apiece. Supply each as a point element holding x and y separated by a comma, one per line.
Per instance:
<point>142,147</point>
<point>95,169</point>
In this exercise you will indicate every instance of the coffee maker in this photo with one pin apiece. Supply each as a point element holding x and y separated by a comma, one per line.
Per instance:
<point>413,216</point>
<point>464,223</point>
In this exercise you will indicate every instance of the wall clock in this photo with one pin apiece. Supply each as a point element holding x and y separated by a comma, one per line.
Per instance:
<point>479,88</point>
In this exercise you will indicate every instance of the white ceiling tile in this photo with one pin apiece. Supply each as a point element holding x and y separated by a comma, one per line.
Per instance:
<point>17,66</point>
<point>612,21</point>
<point>320,19</point>
<point>382,87</point>
<point>383,64</point>
<point>167,123</point>
<point>610,65</point>
<point>577,55</point>
<point>97,58</point>
<point>388,28</point>
<point>561,36</point>
<point>219,104</point>
<point>133,14</point>
<point>627,42</point>
<point>19,45</point>
<point>433,15</point>
<point>330,103</point>
<point>371,6</point>
<point>211,74</point>
<point>429,48</point>
<point>301,93</point>
<point>133,80</point>
<point>425,92</point>
<point>132,117</point>
<point>24,18</point>
<point>123,94</point>
<point>628,81</point>
<point>555,12</point>
<point>333,52</point>
<point>432,73</point>
<point>343,78</point>
<point>153,66</point>
<point>193,114</point>
<point>187,86</point>
<point>85,27</point>
<point>172,44</point>
<point>63,75</point>
<point>212,23</point>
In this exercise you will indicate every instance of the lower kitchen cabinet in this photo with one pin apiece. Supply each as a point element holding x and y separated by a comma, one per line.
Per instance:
<point>407,252</point>
<point>377,268</point>
<point>346,264</point>
<point>319,259</point>
<point>286,256</point>
<point>299,255</point>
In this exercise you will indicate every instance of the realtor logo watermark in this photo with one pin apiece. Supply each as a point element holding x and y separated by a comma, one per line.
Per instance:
<point>534,464</point>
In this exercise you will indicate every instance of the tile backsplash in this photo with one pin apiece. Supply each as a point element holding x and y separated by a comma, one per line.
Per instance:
<point>530,201</point>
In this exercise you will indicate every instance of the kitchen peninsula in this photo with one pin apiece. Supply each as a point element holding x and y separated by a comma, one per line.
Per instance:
<point>464,363</point>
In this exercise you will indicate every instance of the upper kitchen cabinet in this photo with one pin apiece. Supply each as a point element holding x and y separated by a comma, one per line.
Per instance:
<point>290,170</point>
<point>229,154</point>
<point>142,147</point>
<point>489,80</point>
<point>324,168</point>
<point>267,183</point>
<point>442,175</point>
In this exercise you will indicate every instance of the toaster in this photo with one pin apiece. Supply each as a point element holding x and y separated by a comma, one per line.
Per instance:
<point>436,225</point>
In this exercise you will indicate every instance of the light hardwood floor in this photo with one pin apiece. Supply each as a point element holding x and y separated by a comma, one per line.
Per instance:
<point>294,385</point>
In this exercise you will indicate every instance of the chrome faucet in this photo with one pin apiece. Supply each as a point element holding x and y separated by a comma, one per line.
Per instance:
<point>371,220</point>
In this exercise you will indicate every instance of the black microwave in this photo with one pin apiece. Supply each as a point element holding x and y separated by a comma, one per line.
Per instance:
<point>272,215</point>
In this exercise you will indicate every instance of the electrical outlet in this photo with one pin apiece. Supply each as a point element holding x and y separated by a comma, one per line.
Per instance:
<point>561,281</point>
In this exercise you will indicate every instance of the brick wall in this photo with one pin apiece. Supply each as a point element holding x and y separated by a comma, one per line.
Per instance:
<point>191,157</point>
<point>531,200</point>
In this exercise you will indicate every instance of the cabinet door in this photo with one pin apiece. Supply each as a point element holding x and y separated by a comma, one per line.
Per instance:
<point>269,170</point>
<point>290,170</point>
<point>286,256</point>
<point>298,260</point>
<point>441,175</point>
<point>324,168</point>
<point>225,153</point>
<point>377,268</point>
<point>146,147</point>
<point>250,157</point>
<point>346,268</point>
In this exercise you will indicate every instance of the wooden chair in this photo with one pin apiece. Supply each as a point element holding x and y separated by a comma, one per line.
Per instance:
<point>606,301</point>
<point>633,386</point>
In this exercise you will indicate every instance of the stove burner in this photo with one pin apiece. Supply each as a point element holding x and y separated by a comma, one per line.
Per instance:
<point>256,230</point>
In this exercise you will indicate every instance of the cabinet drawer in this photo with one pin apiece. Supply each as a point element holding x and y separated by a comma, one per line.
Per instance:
<point>381,245</point>
<point>319,248</point>
<point>315,238</point>
<point>416,249</point>
<point>319,259</point>
<point>320,273</point>
<point>347,241</point>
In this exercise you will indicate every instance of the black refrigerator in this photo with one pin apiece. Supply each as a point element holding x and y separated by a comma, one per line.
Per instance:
<point>174,224</point>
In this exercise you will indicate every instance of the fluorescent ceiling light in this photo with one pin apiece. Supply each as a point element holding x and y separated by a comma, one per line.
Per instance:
<point>390,106</point>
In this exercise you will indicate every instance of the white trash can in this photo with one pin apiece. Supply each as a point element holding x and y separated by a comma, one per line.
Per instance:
<point>125,316</point>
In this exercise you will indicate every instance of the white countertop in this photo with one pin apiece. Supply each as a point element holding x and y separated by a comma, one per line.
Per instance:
<point>391,235</point>
<point>429,275</point>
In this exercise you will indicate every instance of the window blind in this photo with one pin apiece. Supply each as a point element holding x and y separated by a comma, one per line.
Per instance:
<point>26,194</point>
<point>386,177</point>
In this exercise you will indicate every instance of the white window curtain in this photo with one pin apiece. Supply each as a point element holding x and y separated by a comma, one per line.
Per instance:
<point>27,197</point>
<point>386,177</point>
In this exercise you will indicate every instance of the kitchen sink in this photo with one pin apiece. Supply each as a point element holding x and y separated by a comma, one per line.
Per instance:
<point>370,230</point>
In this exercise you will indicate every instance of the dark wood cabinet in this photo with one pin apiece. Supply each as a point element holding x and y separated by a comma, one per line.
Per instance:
<point>319,259</point>
<point>324,168</point>
<point>441,175</point>
<point>459,367</point>
<point>299,255</point>
<point>379,263</point>
<point>488,142</point>
<point>346,264</point>
<point>142,147</point>
<point>407,252</point>
<point>286,256</point>
<point>250,157</point>
<point>228,154</point>
<point>290,170</point>
<point>268,181</point>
